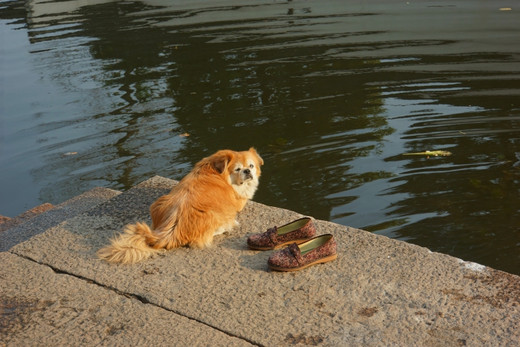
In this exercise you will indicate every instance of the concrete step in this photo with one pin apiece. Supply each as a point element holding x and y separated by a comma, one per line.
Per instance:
<point>7,222</point>
<point>378,292</point>
<point>41,307</point>
<point>43,217</point>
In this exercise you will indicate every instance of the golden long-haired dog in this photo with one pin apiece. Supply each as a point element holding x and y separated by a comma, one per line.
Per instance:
<point>201,205</point>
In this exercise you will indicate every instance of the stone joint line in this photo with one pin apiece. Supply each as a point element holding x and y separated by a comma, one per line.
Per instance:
<point>135,296</point>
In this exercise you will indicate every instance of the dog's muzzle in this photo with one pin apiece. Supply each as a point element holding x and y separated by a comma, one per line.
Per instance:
<point>247,174</point>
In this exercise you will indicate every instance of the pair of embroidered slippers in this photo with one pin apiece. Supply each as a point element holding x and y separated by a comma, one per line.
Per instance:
<point>303,249</point>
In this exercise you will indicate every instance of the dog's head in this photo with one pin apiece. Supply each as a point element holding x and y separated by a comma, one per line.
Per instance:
<point>241,169</point>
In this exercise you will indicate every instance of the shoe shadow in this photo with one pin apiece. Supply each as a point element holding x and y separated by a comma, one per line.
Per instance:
<point>251,259</point>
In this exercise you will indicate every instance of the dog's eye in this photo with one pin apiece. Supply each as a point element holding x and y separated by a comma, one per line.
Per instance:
<point>237,169</point>
<point>251,166</point>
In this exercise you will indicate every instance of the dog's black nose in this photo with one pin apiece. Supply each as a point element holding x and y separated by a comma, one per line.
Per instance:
<point>247,171</point>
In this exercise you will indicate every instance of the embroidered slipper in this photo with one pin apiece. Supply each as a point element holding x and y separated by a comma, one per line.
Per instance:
<point>320,249</point>
<point>297,231</point>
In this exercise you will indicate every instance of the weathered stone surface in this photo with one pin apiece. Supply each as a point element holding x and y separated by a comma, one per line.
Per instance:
<point>40,222</point>
<point>6,222</point>
<point>378,292</point>
<point>40,307</point>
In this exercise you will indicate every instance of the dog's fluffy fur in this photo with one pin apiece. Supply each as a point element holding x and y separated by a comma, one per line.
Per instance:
<point>203,204</point>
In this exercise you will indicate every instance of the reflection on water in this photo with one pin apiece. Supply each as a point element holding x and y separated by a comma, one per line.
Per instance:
<point>331,93</point>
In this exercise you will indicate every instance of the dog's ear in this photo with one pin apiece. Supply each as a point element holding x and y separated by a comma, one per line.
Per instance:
<point>220,160</point>
<point>260,160</point>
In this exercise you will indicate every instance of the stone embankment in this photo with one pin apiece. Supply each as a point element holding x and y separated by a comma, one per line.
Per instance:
<point>379,292</point>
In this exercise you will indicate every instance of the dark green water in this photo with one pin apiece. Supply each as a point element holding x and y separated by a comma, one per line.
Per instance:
<point>331,93</point>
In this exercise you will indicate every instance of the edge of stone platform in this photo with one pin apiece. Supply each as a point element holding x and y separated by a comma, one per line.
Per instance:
<point>33,222</point>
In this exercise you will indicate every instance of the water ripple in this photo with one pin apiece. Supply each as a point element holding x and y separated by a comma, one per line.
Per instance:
<point>331,94</point>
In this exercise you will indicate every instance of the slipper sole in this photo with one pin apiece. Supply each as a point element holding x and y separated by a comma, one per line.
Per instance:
<point>319,261</point>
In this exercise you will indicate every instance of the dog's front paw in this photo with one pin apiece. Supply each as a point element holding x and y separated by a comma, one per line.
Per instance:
<point>220,231</point>
<point>225,229</point>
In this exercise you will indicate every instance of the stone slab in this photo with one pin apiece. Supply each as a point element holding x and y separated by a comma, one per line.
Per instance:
<point>41,222</point>
<point>379,292</point>
<point>39,307</point>
<point>7,223</point>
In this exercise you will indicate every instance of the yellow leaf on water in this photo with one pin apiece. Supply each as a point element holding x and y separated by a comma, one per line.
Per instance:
<point>184,135</point>
<point>431,153</point>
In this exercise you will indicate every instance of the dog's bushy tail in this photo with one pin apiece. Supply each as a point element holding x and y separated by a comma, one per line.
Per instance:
<point>130,247</point>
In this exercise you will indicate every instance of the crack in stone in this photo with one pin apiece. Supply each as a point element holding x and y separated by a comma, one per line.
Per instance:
<point>140,298</point>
